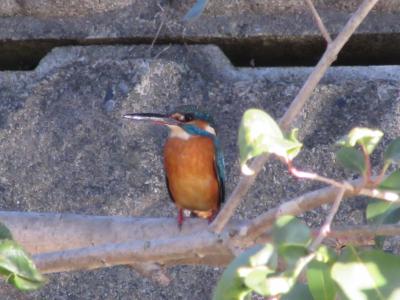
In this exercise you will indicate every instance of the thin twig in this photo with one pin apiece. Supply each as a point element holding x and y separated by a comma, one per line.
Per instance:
<point>163,19</point>
<point>319,22</point>
<point>156,36</point>
<point>293,111</point>
<point>326,228</point>
<point>379,194</point>
<point>296,206</point>
<point>162,51</point>
<point>326,60</point>
<point>351,232</point>
<point>360,190</point>
<point>316,177</point>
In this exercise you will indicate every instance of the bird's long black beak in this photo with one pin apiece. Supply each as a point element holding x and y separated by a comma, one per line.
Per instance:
<point>159,119</point>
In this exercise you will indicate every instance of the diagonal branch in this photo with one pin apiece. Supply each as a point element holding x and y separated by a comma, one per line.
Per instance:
<point>319,22</point>
<point>293,111</point>
<point>324,63</point>
<point>296,206</point>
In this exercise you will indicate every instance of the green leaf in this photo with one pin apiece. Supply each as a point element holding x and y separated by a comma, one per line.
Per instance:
<point>392,153</point>
<point>255,129</point>
<point>295,150</point>
<point>288,230</point>
<point>260,134</point>
<point>292,253</point>
<point>263,256</point>
<point>391,183</point>
<point>351,158</point>
<point>383,212</point>
<point>232,284</point>
<point>5,233</point>
<point>371,274</point>
<point>299,291</point>
<point>368,138</point>
<point>279,284</point>
<point>320,282</point>
<point>255,279</point>
<point>282,283</point>
<point>380,212</point>
<point>17,267</point>
<point>325,255</point>
<point>196,10</point>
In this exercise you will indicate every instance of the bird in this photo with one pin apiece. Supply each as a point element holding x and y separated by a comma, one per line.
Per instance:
<point>193,160</point>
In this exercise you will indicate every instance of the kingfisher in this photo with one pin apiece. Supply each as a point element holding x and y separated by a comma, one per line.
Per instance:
<point>193,160</point>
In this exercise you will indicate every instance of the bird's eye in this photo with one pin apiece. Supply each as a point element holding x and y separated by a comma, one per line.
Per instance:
<point>189,117</point>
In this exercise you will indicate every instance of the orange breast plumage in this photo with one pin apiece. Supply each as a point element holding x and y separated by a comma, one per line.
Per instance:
<point>190,170</point>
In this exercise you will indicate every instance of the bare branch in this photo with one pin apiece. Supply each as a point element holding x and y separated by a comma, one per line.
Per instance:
<point>294,109</point>
<point>326,60</point>
<point>352,232</point>
<point>49,232</point>
<point>86,242</point>
<point>319,22</point>
<point>326,228</point>
<point>238,193</point>
<point>360,190</point>
<point>202,248</point>
<point>294,207</point>
<point>380,194</point>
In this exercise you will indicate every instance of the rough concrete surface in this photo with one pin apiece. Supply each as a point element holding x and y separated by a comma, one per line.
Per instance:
<point>131,19</point>
<point>250,32</point>
<point>64,146</point>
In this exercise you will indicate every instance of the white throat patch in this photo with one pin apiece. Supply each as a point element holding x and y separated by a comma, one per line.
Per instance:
<point>178,132</point>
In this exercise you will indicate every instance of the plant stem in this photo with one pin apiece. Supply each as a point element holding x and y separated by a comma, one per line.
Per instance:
<point>326,228</point>
<point>368,170</point>
<point>314,176</point>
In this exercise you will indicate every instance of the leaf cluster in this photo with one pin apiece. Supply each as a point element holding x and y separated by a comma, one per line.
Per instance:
<point>350,273</point>
<point>357,159</point>
<point>353,273</point>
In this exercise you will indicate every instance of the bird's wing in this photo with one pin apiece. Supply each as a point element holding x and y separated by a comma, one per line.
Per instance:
<point>219,165</point>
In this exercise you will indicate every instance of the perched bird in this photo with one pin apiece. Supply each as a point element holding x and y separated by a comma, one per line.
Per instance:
<point>193,160</point>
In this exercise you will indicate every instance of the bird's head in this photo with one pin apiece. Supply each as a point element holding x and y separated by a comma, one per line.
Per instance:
<point>178,120</point>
